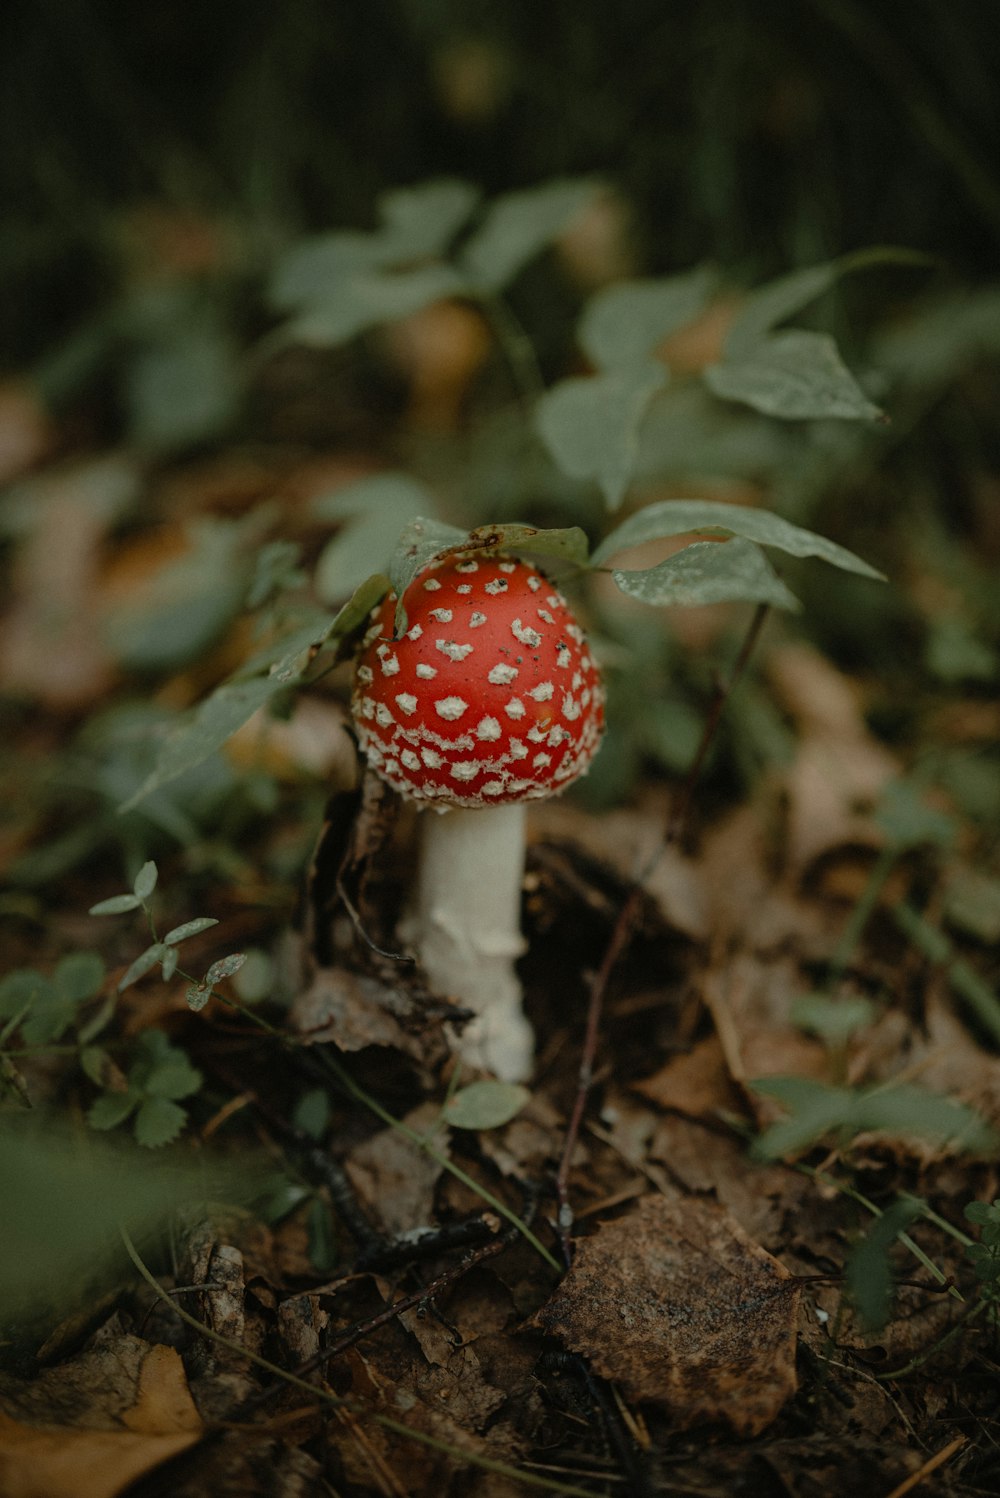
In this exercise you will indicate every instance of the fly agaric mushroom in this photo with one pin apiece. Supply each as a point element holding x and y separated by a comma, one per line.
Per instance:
<point>489,700</point>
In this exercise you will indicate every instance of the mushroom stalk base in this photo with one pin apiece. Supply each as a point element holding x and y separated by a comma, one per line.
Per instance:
<point>466,929</point>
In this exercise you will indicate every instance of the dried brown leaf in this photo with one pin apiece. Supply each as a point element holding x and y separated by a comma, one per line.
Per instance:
<point>676,1304</point>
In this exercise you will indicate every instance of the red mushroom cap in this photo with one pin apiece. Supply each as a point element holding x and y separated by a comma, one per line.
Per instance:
<point>491,696</point>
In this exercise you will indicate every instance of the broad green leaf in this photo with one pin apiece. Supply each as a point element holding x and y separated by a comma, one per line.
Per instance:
<point>225,967</point>
<point>315,268</point>
<point>905,1109</point>
<point>420,222</point>
<point>189,928</point>
<point>420,541</point>
<point>116,905</point>
<point>143,964</point>
<point>168,966</point>
<point>518,226</point>
<point>868,1270</point>
<point>485,1105</point>
<point>145,881</point>
<point>79,976</point>
<point>94,1061</point>
<point>19,989</point>
<point>679,517</point>
<point>815,1111</point>
<point>590,424</point>
<point>981,1212</point>
<point>779,300</point>
<point>624,323</point>
<point>184,387</point>
<point>111,1109</point>
<point>833,1020</point>
<point>733,571</point>
<point>369,298</point>
<point>187,603</point>
<point>288,649</point>
<point>206,730</point>
<point>568,542</point>
<point>796,375</point>
<point>375,511</point>
<point>158,1122</point>
<point>908,821</point>
<point>64,1192</point>
<point>312,1112</point>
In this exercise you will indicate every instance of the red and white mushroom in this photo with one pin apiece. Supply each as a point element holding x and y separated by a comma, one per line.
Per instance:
<point>490,699</point>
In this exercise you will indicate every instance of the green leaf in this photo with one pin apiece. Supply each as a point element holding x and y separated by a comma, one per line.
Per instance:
<point>158,1122</point>
<point>188,603</point>
<point>21,989</point>
<point>815,1112</point>
<point>145,882</point>
<point>420,222</point>
<point>833,1020</point>
<point>368,298</point>
<point>168,967</point>
<point>79,976</point>
<point>143,964</point>
<point>518,226</point>
<point>183,387</point>
<point>116,905</point>
<point>734,571</point>
<point>797,376</point>
<point>624,323</point>
<point>420,541</point>
<point>64,1194</point>
<point>172,1076</point>
<point>908,821</point>
<point>568,542</point>
<point>312,1113</point>
<point>779,300</point>
<point>376,510</point>
<point>904,1109</point>
<point>868,1270</point>
<point>225,967</point>
<point>201,734</point>
<point>678,517</point>
<point>190,928</point>
<point>485,1105</point>
<point>94,1061</point>
<point>111,1109</point>
<point>197,996</point>
<point>590,424</point>
<point>981,1212</point>
<point>357,608</point>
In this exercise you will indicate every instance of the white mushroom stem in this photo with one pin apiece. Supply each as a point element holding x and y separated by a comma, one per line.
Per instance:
<point>466,929</point>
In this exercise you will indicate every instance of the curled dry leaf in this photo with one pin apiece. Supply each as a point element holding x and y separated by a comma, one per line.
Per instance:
<point>676,1304</point>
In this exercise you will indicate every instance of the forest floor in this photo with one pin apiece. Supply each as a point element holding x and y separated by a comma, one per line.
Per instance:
<point>770,1290</point>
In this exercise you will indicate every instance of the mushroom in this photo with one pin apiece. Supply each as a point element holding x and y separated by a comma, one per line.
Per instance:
<point>490,700</point>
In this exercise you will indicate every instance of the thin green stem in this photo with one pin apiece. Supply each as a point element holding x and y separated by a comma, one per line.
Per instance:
<point>852,933</point>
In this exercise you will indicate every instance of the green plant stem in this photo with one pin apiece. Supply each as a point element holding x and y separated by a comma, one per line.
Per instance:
<point>852,933</point>
<point>518,348</point>
<point>324,1395</point>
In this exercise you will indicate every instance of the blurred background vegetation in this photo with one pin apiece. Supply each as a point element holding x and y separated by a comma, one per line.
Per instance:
<point>162,165</point>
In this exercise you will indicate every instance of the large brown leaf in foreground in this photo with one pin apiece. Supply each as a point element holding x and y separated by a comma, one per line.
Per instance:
<point>676,1304</point>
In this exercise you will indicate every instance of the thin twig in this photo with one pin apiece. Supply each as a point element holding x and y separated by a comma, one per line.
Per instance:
<point>628,918</point>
